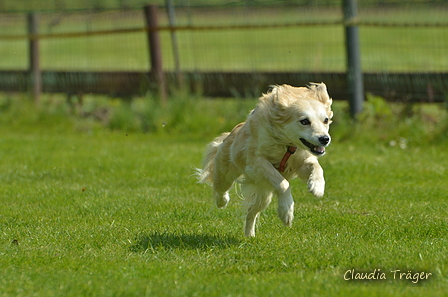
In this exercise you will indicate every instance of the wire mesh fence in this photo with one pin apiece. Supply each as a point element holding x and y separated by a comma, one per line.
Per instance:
<point>404,45</point>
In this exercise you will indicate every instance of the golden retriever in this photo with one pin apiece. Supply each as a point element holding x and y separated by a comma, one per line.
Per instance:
<point>280,140</point>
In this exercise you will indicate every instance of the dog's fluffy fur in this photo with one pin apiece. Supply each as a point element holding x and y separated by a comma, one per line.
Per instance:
<point>285,116</point>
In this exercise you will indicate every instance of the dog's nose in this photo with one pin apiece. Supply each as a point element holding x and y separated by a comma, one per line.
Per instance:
<point>324,140</point>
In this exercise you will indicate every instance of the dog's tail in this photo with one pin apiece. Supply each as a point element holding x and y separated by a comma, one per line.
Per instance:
<point>205,175</point>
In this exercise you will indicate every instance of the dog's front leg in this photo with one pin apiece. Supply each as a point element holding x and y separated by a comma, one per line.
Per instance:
<point>263,171</point>
<point>285,203</point>
<point>313,172</point>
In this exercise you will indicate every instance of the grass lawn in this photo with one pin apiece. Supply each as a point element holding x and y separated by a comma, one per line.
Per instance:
<point>117,213</point>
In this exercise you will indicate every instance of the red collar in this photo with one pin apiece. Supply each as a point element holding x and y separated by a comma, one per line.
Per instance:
<point>291,150</point>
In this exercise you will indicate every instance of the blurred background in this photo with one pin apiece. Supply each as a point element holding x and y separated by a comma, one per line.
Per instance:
<point>225,48</point>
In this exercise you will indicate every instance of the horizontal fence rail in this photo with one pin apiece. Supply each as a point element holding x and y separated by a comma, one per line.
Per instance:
<point>404,87</point>
<point>220,27</point>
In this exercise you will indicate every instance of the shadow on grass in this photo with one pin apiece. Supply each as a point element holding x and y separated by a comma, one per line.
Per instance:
<point>168,241</point>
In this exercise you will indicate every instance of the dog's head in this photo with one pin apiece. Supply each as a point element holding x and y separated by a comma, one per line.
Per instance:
<point>301,116</point>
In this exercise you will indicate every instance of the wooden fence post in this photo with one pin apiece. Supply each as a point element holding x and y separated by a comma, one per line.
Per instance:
<point>354,72</point>
<point>34,70</point>
<point>155,51</point>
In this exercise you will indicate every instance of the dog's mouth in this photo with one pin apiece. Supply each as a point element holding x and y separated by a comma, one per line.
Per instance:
<point>317,150</point>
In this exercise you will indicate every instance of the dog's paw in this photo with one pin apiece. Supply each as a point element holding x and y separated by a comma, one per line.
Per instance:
<point>286,214</point>
<point>316,186</point>
<point>222,200</point>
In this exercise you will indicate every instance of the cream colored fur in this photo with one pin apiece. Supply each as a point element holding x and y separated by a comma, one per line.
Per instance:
<point>283,117</point>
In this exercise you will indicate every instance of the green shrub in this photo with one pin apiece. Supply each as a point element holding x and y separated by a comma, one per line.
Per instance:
<point>389,123</point>
<point>379,122</point>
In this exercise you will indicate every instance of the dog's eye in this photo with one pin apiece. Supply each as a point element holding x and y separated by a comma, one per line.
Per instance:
<point>305,122</point>
<point>326,121</point>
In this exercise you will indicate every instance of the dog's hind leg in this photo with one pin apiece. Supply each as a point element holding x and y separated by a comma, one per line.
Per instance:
<point>225,173</point>
<point>257,199</point>
<point>218,170</point>
<point>221,199</point>
<point>222,181</point>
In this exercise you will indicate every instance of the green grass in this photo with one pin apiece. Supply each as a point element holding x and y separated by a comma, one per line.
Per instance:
<point>90,209</point>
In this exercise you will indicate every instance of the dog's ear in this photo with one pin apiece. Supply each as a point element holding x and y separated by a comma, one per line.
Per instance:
<point>278,104</point>
<point>320,91</point>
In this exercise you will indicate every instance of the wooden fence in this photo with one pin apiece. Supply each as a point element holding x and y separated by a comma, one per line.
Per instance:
<point>406,87</point>
<point>413,87</point>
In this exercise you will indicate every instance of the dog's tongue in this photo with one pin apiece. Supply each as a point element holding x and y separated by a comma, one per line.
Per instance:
<point>319,149</point>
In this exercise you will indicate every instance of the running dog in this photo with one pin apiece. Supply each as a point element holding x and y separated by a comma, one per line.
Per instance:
<point>280,140</point>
